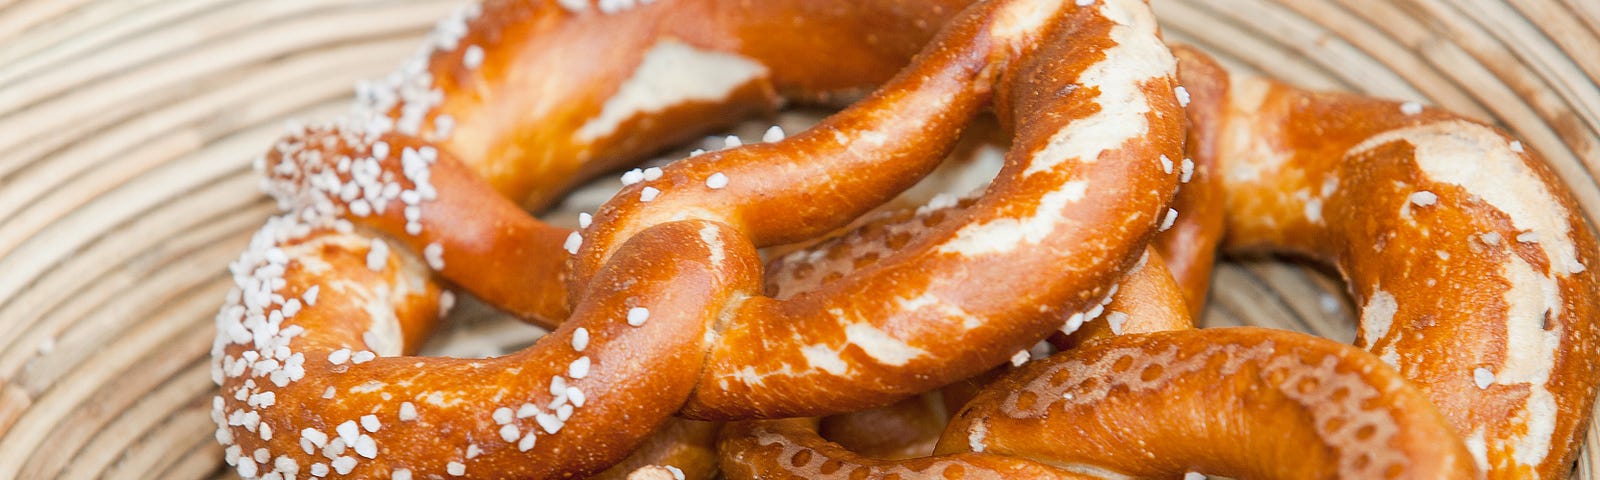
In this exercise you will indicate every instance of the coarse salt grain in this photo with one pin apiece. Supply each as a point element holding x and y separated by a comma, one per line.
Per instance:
<point>574,240</point>
<point>638,315</point>
<point>434,255</point>
<point>773,134</point>
<point>717,181</point>
<point>1020,358</point>
<point>1423,198</point>
<point>1482,377</point>
<point>580,339</point>
<point>578,368</point>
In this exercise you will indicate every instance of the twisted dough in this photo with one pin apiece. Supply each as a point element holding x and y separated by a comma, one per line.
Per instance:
<point>419,163</point>
<point>1391,194</point>
<point>962,295</point>
<point>320,297</point>
<point>431,154</point>
<point>1461,246</point>
<point>1153,402</point>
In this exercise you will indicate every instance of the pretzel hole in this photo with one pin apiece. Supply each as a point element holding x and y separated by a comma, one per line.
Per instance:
<point>804,270</point>
<point>899,240</point>
<point>1307,385</point>
<point>1089,384</point>
<point>861,474</point>
<point>1394,470</point>
<point>864,260</point>
<point>1122,364</point>
<point>1334,424</point>
<point>1361,461</point>
<point>830,466</point>
<point>1064,377</point>
<point>1366,432</point>
<point>955,470</point>
<point>800,458</point>
<point>1151,373</point>
<point>1026,399</point>
<point>1275,377</point>
<point>1339,394</point>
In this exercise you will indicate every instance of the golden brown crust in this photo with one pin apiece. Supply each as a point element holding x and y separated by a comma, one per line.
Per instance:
<point>584,403</point>
<point>792,449</point>
<point>1190,246</point>
<point>666,308</point>
<point>1147,300</point>
<point>685,445</point>
<point>906,429</point>
<point>857,351</point>
<point>1466,253</point>
<point>1238,402</point>
<point>399,165</point>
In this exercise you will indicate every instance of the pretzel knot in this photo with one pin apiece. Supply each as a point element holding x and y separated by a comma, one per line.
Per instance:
<point>1478,307</point>
<point>665,293</point>
<point>1478,317</point>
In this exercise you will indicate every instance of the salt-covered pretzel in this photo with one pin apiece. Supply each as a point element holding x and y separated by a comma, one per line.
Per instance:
<point>1088,89</point>
<point>577,401</point>
<point>1466,253</point>
<point>480,113</point>
<point>321,298</point>
<point>1504,342</point>
<point>1147,300</point>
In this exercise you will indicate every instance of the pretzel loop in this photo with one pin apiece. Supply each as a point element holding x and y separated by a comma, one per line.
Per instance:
<point>1102,139</point>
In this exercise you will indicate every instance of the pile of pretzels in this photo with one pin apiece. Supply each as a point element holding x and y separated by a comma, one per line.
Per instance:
<point>1131,163</point>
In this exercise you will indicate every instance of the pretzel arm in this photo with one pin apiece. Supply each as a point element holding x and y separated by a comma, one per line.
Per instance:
<point>478,100</point>
<point>1231,401</point>
<point>574,402</point>
<point>1462,247</point>
<point>841,351</point>
<point>1190,246</point>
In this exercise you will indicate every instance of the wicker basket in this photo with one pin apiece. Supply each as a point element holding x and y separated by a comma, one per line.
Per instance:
<point>125,187</point>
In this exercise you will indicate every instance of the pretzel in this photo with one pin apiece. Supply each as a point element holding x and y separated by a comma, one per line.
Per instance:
<point>1236,402</point>
<point>1460,244</point>
<point>311,343</point>
<point>1524,251</point>
<point>853,351</point>
<point>443,155</point>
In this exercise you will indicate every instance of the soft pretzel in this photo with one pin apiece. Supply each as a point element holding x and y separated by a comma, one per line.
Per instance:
<point>478,112</point>
<point>1238,402</point>
<point>322,294</point>
<point>1425,205</point>
<point>993,271</point>
<point>1241,402</point>
<point>415,179</point>
<point>1463,249</point>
